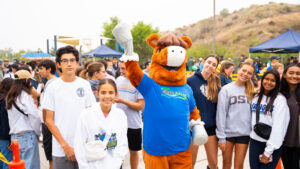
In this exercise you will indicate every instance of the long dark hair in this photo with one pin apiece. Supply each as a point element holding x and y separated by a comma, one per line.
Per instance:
<point>285,88</point>
<point>16,89</point>
<point>272,94</point>
<point>4,87</point>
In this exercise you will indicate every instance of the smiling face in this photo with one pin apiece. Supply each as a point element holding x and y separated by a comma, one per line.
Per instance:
<point>292,75</point>
<point>269,83</point>
<point>210,65</point>
<point>245,73</point>
<point>229,70</point>
<point>106,94</point>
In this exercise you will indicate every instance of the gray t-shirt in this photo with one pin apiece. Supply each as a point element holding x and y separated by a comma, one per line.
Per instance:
<point>233,112</point>
<point>128,92</point>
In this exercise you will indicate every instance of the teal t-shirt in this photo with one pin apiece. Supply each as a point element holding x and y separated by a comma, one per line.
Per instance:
<point>166,117</point>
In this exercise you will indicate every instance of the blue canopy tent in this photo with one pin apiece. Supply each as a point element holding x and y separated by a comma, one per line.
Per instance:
<point>36,56</point>
<point>103,51</point>
<point>288,42</point>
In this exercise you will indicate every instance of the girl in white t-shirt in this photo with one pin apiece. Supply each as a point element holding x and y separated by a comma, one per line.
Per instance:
<point>101,134</point>
<point>24,119</point>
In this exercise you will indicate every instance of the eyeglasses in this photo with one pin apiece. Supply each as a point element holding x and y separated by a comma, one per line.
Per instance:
<point>66,61</point>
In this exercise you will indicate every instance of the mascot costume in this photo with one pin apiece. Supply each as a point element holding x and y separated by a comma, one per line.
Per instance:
<point>170,109</point>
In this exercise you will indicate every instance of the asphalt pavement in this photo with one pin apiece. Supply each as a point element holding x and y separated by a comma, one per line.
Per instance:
<point>201,162</point>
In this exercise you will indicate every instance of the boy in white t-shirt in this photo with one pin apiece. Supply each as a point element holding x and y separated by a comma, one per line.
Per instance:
<point>131,102</point>
<point>64,99</point>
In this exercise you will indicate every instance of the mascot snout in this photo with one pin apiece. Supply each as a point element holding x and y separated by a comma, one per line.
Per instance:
<point>176,56</point>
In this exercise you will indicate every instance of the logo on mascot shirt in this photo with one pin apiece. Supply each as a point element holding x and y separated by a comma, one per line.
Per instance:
<point>174,94</point>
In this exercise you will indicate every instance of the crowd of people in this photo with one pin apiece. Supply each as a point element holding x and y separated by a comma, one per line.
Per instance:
<point>76,106</point>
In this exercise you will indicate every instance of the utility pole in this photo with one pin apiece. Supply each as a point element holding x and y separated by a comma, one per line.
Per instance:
<point>214,29</point>
<point>48,46</point>
<point>55,45</point>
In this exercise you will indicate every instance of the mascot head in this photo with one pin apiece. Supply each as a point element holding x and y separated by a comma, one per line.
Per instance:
<point>169,59</point>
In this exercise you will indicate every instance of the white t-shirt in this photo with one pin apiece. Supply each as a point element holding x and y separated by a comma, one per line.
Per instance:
<point>18,122</point>
<point>67,100</point>
<point>128,92</point>
<point>92,126</point>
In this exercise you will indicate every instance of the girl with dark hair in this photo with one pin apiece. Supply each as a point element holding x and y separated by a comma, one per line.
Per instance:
<point>24,119</point>
<point>205,86</point>
<point>290,88</point>
<point>4,126</point>
<point>269,108</point>
<point>233,117</point>
<point>101,134</point>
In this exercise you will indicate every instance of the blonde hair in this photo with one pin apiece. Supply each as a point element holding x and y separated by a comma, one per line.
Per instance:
<point>276,66</point>
<point>249,61</point>
<point>249,87</point>
<point>213,83</point>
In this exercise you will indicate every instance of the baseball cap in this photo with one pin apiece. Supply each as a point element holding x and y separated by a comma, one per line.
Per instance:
<point>274,57</point>
<point>23,74</point>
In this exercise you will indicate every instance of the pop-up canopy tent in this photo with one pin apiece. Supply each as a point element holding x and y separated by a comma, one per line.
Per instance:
<point>288,42</point>
<point>103,51</point>
<point>36,56</point>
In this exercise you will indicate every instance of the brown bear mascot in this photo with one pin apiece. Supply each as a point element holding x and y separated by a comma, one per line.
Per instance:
<point>169,102</point>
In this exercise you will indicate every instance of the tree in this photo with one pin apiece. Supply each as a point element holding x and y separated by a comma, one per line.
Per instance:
<point>7,53</point>
<point>224,12</point>
<point>140,32</point>
<point>108,27</point>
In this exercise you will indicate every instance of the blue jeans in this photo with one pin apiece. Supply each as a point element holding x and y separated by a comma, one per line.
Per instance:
<point>6,152</point>
<point>257,148</point>
<point>29,150</point>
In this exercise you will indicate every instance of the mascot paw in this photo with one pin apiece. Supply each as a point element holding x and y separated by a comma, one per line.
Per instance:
<point>199,135</point>
<point>133,57</point>
<point>197,122</point>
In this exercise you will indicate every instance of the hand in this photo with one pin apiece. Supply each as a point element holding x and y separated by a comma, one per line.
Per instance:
<point>222,146</point>
<point>264,159</point>
<point>9,147</point>
<point>69,151</point>
<point>118,100</point>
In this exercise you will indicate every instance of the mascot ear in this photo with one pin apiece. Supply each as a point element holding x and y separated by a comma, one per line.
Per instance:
<point>188,41</point>
<point>152,40</point>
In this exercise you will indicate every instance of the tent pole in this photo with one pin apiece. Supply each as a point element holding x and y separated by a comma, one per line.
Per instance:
<point>249,55</point>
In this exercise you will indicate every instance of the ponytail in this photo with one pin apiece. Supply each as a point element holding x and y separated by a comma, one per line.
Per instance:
<point>213,86</point>
<point>249,89</point>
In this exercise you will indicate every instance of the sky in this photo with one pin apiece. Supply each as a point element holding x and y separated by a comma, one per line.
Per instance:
<point>27,24</point>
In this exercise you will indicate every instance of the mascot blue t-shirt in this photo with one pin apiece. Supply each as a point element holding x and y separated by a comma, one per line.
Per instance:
<point>169,134</point>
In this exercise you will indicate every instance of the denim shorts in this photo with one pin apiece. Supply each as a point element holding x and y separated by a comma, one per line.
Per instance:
<point>29,149</point>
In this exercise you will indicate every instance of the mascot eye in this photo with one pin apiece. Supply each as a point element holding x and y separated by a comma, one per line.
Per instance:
<point>158,50</point>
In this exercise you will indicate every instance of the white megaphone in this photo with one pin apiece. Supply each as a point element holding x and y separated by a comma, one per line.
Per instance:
<point>123,35</point>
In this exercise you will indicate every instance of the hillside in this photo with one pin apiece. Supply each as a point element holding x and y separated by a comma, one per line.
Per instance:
<point>239,30</point>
